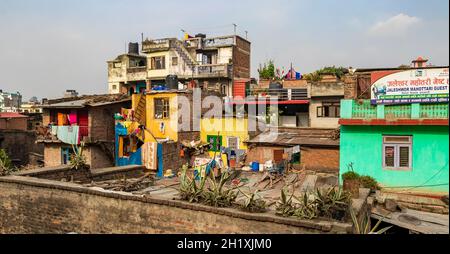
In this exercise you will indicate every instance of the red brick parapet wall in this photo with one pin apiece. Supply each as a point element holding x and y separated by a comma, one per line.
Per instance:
<point>32,205</point>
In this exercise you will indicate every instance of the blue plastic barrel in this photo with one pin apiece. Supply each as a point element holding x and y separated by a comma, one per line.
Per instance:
<point>255,166</point>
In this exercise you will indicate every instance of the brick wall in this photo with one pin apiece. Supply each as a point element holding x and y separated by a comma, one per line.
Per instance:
<point>350,87</point>
<point>320,159</point>
<point>241,59</point>
<point>19,123</point>
<point>96,157</point>
<point>30,205</point>
<point>19,144</point>
<point>101,120</point>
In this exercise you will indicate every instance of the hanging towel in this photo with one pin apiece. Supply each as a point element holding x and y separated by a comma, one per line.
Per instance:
<point>54,130</point>
<point>149,155</point>
<point>68,134</point>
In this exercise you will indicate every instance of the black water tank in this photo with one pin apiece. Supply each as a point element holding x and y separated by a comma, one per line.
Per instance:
<point>133,48</point>
<point>275,85</point>
<point>200,36</point>
<point>172,82</point>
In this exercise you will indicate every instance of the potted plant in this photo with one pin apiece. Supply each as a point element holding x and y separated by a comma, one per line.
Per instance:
<point>352,181</point>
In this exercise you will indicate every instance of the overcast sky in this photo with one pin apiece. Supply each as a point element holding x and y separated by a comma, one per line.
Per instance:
<point>49,46</point>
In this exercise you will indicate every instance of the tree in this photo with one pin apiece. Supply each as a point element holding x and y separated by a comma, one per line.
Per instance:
<point>5,163</point>
<point>268,71</point>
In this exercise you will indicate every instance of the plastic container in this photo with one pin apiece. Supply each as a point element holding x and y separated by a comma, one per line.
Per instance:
<point>255,166</point>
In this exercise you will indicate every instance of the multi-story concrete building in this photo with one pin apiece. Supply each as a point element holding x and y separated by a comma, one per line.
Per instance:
<point>211,63</point>
<point>10,102</point>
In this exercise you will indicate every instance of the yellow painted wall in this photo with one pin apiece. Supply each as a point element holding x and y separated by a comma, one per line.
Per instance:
<point>227,127</point>
<point>171,124</point>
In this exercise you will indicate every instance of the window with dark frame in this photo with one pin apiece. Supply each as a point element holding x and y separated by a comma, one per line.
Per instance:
<point>161,108</point>
<point>174,61</point>
<point>397,152</point>
<point>329,109</point>
<point>233,142</point>
<point>158,63</point>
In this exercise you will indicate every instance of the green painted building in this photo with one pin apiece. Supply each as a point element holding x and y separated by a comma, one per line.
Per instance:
<point>404,147</point>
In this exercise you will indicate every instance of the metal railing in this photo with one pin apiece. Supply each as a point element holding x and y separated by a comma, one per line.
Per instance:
<point>281,94</point>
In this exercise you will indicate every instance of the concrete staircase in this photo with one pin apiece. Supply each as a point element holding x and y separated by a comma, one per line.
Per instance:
<point>184,54</point>
<point>139,112</point>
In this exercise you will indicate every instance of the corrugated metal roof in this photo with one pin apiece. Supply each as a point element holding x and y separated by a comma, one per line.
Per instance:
<point>292,139</point>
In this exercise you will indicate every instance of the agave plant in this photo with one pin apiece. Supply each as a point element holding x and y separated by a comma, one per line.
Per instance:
<point>307,208</point>
<point>253,203</point>
<point>216,194</point>
<point>332,203</point>
<point>78,160</point>
<point>363,227</point>
<point>285,207</point>
<point>189,189</point>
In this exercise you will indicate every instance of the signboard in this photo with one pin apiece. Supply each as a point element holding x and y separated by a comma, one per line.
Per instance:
<point>410,86</point>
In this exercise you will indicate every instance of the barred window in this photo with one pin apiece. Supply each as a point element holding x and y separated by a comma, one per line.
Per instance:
<point>329,109</point>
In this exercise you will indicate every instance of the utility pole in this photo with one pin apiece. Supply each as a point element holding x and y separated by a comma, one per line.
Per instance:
<point>234,28</point>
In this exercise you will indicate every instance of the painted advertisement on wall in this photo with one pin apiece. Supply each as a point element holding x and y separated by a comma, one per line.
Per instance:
<point>410,86</point>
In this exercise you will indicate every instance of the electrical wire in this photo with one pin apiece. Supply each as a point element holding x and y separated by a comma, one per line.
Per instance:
<point>423,184</point>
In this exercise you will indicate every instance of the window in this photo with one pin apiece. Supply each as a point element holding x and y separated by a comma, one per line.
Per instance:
<point>114,87</point>
<point>215,141</point>
<point>329,109</point>
<point>174,61</point>
<point>397,152</point>
<point>233,143</point>
<point>158,63</point>
<point>161,108</point>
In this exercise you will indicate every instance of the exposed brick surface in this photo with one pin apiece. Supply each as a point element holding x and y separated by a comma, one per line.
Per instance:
<point>30,205</point>
<point>19,144</point>
<point>320,159</point>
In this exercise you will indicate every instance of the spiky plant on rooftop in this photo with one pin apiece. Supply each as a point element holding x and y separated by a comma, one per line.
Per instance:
<point>364,227</point>
<point>78,160</point>
<point>5,163</point>
<point>190,190</point>
<point>217,194</point>
<point>253,203</point>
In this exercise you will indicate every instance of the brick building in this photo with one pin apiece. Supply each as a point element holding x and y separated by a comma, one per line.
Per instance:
<point>90,119</point>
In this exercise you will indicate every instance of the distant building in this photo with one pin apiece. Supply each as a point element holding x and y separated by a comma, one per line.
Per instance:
<point>13,121</point>
<point>211,63</point>
<point>70,93</point>
<point>10,102</point>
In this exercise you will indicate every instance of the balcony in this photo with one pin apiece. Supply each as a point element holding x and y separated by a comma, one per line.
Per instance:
<point>137,73</point>
<point>362,112</point>
<point>213,70</point>
<point>150,46</point>
<point>63,133</point>
<point>279,94</point>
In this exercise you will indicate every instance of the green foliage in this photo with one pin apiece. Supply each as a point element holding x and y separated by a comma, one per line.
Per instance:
<point>189,189</point>
<point>369,182</point>
<point>285,206</point>
<point>78,160</point>
<point>268,71</point>
<point>332,203</point>
<point>254,203</point>
<point>316,76</point>
<point>5,163</point>
<point>307,209</point>
<point>218,196</point>
<point>363,227</point>
<point>366,181</point>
